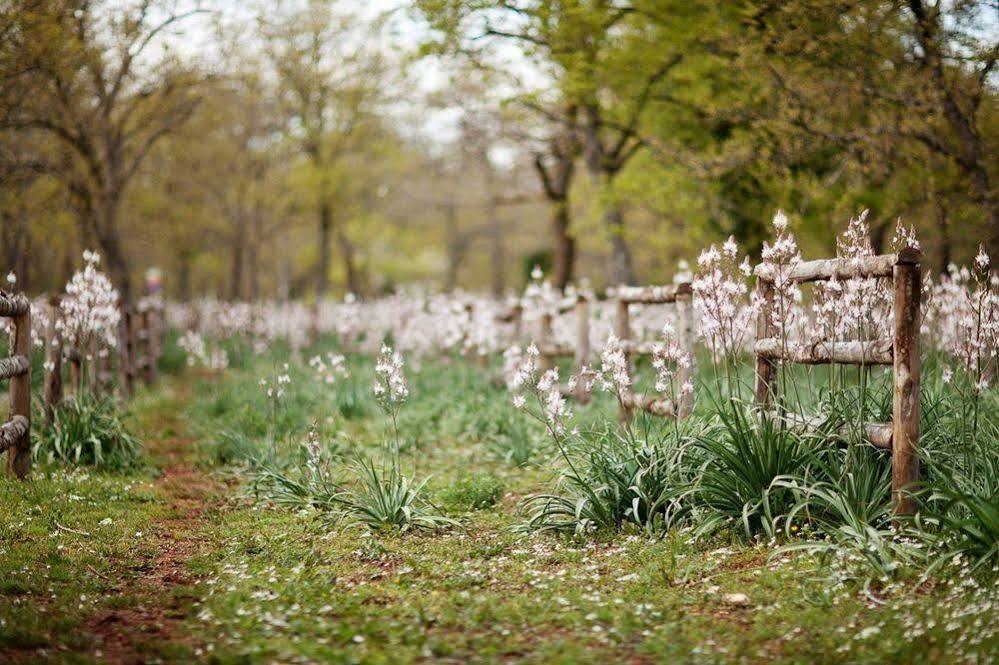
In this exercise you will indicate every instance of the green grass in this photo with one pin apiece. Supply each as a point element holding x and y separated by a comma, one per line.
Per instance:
<point>283,582</point>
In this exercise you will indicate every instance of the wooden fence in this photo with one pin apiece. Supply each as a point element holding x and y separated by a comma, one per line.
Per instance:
<point>580,349</point>
<point>15,434</point>
<point>139,347</point>
<point>901,436</point>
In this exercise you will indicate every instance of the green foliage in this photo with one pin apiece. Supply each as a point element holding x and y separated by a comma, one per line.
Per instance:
<point>742,461</point>
<point>612,481</point>
<point>385,498</point>
<point>90,431</point>
<point>474,491</point>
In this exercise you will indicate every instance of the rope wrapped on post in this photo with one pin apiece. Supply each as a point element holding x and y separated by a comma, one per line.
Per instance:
<point>12,305</point>
<point>14,366</point>
<point>13,431</point>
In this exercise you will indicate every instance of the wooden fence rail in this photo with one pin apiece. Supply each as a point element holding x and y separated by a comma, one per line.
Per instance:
<point>15,435</point>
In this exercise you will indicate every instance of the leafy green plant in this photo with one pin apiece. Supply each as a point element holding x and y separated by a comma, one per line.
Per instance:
<point>384,498</point>
<point>613,480</point>
<point>742,461</point>
<point>88,430</point>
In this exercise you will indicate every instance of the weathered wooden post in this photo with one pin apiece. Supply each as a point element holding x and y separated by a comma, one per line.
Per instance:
<point>906,370</point>
<point>582,346</point>
<point>146,334</point>
<point>766,368</point>
<point>685,330</point>
<point>156,341</point>
<point>53,361</point>
<point>547,361</point>
<point>126,353</point>
<point>518,321</point>
<point>622,329</point>
<point>75,370</point>
<point>15,434</point>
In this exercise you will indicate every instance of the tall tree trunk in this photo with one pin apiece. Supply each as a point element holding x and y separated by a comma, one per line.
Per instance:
<point>236,269</point>
<point>603,171</point>
<point>497,260</point>
<point>109,240</point>
<point>348,254</point>
<point>621,270</point>
<point>564,258</point>
<point>323,266</point>
<point>184,275</point>
<point>454,246</point>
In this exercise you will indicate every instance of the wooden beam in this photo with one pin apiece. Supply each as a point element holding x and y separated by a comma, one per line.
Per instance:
<point>878,435</point>
<point>825,353</point>
<point>12,431</point>
<point>650,295</point>
<point>654,404</point>
<point>844,268</point>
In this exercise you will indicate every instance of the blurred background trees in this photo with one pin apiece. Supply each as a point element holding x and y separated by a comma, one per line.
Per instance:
<point>306,148</point>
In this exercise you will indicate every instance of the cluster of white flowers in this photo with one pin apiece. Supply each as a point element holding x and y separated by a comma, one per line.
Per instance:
<point>615,374</point>
<point>275,387</point>
<point>90,308</point>
<point>667,357</point>
<point>200,354</point>
<point>961,317</point>
<point>390,386</point>
<point>779,261</point>
<point>856,308</point>
<point>330,367</point>
<point>721,295</point>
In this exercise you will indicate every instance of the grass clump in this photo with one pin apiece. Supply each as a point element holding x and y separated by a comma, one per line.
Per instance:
<point>88,430</point>
<point>475,491</point>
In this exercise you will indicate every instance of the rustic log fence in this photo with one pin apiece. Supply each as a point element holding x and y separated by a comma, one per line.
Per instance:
<point>139,348</point>
<point>580,348</point>
<point>901,436</point>
<point>681,296</point>
<point>15,433</point>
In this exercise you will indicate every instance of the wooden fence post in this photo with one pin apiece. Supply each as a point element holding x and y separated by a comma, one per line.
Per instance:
<point>622,328</point>
<point>906,371</point>
<point>685,325</point>
<point>766,368</point>
<point>53,361</point>
<point>126,370</point>
<point>582,347</point>
<point>19,455</point>
<point>547,362</point>
<point>149,374</point>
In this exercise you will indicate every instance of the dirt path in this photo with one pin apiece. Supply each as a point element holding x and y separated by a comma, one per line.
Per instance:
<point>151,603</point>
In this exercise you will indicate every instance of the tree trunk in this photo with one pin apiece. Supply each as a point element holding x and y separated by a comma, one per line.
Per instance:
<point>943,227</point>
<point>348,256</point>
<point>323,267</point>
<point>621,269</point>
<point>454,247</point>
<point>184,275</point>
<point>236,269</point>
<point>564,258</point>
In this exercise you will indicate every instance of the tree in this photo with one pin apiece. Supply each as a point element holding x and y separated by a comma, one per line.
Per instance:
<point>106,101</point>
<point>331,82</point>
<point>903,86</point>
